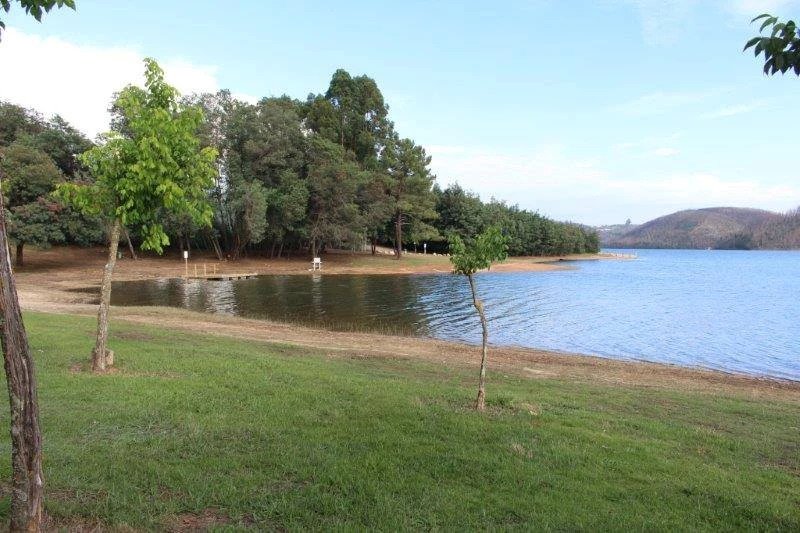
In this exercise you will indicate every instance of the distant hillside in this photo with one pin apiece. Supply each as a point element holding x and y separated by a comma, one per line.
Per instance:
<point>713,227</point>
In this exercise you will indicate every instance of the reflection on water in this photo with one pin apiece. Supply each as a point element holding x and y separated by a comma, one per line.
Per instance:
<point>735,311</point>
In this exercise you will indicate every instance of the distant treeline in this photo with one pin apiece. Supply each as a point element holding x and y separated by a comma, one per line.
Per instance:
<point>294,177</point>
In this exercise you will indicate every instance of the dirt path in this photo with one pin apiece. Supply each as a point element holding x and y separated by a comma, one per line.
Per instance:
<point>47,285</point>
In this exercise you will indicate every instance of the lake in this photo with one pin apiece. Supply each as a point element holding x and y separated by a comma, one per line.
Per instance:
<point>736,311</point>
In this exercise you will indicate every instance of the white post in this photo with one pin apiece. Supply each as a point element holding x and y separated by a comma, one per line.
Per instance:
<point>186,262</point>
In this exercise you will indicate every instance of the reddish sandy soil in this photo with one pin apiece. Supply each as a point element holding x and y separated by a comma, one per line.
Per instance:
<point>48,281</point>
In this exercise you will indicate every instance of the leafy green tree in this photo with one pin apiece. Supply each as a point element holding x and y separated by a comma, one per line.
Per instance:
<point>467,259</point>
<point>353,114</point>
<point>460,212</point>
<point>155,166</point>
<point>410,190</point>
<point>286,209</point>
<point>62,143</point>
<point>375,205</point>
<point>16,121</point>
<point>333,179</point>
<point>780,47</point>
<point>251,204</point>
<point>27,479</point>
<point>32,217</point>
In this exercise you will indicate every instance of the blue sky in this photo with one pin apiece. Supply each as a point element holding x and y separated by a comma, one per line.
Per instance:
<point>589,111</point>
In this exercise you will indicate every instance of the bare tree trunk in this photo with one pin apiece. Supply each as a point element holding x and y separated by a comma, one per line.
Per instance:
<point>19,258</point>
<point>480,403</point>
<point>101,355</point>
<point>217,249</point>
<point>131,249</point>
<point>398,236</point>
<point>280,250</point>
<point>27,481</point>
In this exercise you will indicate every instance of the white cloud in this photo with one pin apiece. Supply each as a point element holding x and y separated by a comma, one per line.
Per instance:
<point>733,110</point>
<point>566,186</point>
<point>662,102</point>
<point>752,8</point>
<point>52,76</point>
<point>665,151</point>
<point>662,20</point>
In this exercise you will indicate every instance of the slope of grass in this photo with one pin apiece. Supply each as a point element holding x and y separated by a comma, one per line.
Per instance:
<point>205,431</point>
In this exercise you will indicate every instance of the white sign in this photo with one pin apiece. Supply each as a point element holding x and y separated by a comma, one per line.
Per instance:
<point>186,254</point>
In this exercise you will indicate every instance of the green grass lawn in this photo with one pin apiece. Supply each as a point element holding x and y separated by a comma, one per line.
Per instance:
<point>272,436</point>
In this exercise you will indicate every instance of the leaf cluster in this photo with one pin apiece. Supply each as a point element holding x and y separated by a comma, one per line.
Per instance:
<point>781,47</point>
<point>155,167</point>
<point>35,8</point>
<point>478,254</point>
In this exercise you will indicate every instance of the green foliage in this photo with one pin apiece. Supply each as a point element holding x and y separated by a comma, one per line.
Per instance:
<point>411,188</point>
<point>781,47</point>
<point>30,173</point>
<point>35,151</point>
<point>38,223</point>
<point>478,254</point>
<point>252,203</point>
<point>35,8</point>
<point>460,212</point>
<point>30,178</point>
<point>353,114</point>
<point>156,165</point>
<point>333,180</point>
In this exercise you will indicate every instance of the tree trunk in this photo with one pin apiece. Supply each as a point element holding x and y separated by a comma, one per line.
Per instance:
<point>374,245</point>
<point>27,480</point>
<point>480,403</point>
<point>280,250</point>
<point>101,354</point>
<point>313,248</point>
<point>215,245</point>
<point>398,236</point>
<point>131,249</point>
<point>19,258</point>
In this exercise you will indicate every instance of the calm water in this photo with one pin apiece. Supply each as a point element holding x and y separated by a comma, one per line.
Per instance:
<point>730,310</point>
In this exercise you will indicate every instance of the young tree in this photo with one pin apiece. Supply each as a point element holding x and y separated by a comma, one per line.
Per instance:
<point>467,259</point>
<point>27,480</point>
<point>781,48</point>
<point>156,165</point>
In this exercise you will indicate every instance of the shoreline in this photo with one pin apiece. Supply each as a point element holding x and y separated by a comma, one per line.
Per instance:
<point>55,288</point>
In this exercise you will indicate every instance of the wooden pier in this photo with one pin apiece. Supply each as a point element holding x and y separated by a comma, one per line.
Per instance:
<point>222,277</point>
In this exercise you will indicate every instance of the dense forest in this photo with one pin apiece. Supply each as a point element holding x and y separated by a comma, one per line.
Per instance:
<point>726,228</point>
<point>294,177</point>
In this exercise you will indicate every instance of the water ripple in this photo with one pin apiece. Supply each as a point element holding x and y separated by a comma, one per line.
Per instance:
<point>734,311</point>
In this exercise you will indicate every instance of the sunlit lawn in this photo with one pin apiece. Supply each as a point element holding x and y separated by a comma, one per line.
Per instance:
<point>242,434</point>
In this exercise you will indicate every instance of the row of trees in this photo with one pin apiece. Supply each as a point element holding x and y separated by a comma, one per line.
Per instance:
<point>332,171</point>
<point>292,176</point>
